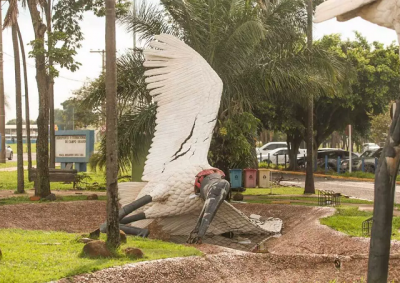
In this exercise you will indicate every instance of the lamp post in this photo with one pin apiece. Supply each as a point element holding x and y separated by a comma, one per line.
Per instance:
<point>2,100</point>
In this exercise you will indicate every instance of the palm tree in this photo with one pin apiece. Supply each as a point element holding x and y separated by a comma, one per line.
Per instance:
<point>42,157</point>
<point>27,116</point>
<point>11,19</point>
<point>113,238</point>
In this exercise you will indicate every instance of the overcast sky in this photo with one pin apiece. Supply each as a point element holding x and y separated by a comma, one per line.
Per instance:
<point>93,29</point>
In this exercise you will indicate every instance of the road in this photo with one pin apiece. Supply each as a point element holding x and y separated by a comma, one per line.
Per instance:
<point>362,190</point>
<point>25,157</point>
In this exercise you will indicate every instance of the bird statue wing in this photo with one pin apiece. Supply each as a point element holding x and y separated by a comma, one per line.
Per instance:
<point>187,92</point>
<point>334,8</point>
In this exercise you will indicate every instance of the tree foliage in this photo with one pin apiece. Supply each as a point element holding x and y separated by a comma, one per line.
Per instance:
<point>259,53</point>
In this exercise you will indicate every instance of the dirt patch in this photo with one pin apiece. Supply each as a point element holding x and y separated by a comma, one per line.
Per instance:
<point>237,268</point>
<point>76,216</point>
<point>304,253</point>
<point>303,234</point>
<point>31,192</point>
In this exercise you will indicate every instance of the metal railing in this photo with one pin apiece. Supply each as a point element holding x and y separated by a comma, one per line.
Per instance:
<point>328,198</point>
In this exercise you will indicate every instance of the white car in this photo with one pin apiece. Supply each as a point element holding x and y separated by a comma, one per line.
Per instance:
<point>370,146</point>
<point>9,153</point>
<point>271,156</point>
<point>270,146</point>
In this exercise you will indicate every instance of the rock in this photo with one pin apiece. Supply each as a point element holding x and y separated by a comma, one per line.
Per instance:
<point>34,198</point>
<point>134,252</point>
<point>95,234</point>
<point>96,249</point>
<point>51,197</point>
<point>85,240</point>
<point>122,236</point>
<point>92,197</point>
<point>238,197</point>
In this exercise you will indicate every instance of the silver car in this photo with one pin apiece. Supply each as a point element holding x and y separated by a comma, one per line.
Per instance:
<point>9,153</point>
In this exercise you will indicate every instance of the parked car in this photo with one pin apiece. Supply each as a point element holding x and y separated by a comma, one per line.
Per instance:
<point>369,161</point>
<point>9,153</point>
<point>332,154</point>
<point>270,146</point>
<point>370,146</point>
<point>271,156</point>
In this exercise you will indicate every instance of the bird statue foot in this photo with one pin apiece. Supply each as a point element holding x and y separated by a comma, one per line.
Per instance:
<point>194,238</point>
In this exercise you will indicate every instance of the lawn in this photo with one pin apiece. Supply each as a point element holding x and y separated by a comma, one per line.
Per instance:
<point>38,256</point>
<point>275,191</point>
<point>14,147</point>
<point>10,164</point>
<point>349,220</point>
<point>25,199</point>
<point>93,180</point>
<point>290,193</point>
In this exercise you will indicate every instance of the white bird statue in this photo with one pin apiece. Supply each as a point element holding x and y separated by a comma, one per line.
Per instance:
<point>381,12</point>
<point>187,92</point>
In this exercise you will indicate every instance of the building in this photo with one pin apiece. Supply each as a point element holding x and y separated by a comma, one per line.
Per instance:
<point>11,133</point>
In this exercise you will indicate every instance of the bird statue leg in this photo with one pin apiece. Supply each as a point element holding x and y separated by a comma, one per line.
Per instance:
<point>213,191</point>
<point>126,210</point>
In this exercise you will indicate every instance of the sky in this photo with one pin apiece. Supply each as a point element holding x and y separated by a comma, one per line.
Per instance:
<point>94,33</point>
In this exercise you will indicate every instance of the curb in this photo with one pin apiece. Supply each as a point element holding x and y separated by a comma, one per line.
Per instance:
<point>328,176</point>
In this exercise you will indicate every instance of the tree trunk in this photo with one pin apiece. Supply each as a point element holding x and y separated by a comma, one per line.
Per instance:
<point>2,99</point>
<point>385,185</point>
<point>113,239</point>
<point>42,187</point>
<point>27,116</point>
<point>18,102</point>
<point>309,187</point>
<point>293,150</point>
<point>52,161</point>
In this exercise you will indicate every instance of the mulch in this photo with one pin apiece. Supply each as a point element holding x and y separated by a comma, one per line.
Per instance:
<point>73,217</point>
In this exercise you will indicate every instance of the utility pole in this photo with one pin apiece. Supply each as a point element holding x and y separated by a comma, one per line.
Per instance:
<point>134,32</point>
<point>103,54</point>
<point>103,70</point>
<point>2,100</point>
<point>309,184</point>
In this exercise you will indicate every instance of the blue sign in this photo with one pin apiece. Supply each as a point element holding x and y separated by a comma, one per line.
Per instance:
<point>74,147</point>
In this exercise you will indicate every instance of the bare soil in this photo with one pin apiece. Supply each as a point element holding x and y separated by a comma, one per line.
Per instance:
<point>304,253</point>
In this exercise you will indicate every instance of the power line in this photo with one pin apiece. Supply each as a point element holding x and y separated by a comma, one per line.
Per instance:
<point>32,66</point>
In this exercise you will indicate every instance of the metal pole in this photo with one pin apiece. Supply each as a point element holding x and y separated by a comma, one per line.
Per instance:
<point>134,32</point>
<point>350,149</point>
<point>2,98</point>
<point>73,118</point>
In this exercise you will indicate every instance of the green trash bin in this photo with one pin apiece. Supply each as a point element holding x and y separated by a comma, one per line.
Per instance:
<point>236,178</point>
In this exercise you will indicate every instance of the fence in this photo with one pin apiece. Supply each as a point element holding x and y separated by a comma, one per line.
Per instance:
<point>329,165</point>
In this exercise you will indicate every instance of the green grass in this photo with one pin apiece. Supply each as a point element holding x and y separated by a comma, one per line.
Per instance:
<point>14,147</point>
<point>38,256</point>
<point>281,193</point>
<point>349,220</point>
<point>25,199</point>
<point>8,181</point>
<point>275,191</point>
<point>10,164</point>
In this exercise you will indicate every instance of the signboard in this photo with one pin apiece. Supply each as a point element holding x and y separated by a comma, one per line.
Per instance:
<point>74,147</point>
<point>71,146</point>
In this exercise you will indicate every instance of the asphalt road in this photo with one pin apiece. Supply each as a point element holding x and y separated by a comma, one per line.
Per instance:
<point>362,190</point>
<point>25,157</point>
